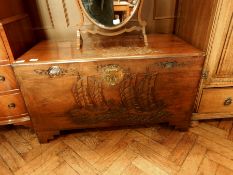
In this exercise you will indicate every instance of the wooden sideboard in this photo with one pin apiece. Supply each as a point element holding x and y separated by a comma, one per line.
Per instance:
<point>115,82</point>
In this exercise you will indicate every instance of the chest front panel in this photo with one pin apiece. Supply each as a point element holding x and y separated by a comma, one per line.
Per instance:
<point>110,93</point>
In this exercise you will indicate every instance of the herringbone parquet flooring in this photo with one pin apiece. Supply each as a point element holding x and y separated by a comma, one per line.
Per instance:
<point>204,149</point>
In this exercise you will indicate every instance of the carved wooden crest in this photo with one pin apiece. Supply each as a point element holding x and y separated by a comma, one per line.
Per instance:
<point>112,74</point>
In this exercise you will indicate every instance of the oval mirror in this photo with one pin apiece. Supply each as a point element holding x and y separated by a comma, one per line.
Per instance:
<point>110,14</point>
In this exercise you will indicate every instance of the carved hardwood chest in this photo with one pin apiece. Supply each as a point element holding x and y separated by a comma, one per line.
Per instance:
<point>114,83</point>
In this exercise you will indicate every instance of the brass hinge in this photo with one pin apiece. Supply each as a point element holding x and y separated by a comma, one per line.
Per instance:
<point>205,74</point>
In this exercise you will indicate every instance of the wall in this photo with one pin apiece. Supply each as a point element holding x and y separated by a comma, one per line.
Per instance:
<point>58,19</point>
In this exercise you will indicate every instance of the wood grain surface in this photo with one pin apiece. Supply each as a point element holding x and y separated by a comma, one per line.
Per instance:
<point>133,151</point>
<point>195,20</point>
<point>8,80</point>
<point>12,105</point>
<point>17,35</point>
<point>216,100</point>
<point>108,86</point>
<point>123,47</point>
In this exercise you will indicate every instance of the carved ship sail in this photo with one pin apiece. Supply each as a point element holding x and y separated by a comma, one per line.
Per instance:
<point>89,94</point>
<point>138,101</point>
<point>138,92</point>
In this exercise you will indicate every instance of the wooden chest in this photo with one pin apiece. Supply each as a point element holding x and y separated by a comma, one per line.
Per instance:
<point>114,83</point>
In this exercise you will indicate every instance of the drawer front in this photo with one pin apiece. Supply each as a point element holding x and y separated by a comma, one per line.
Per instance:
<point>108,93</point>
<point>7,79</point>
<point>12,105</point>
<point>217,100</point>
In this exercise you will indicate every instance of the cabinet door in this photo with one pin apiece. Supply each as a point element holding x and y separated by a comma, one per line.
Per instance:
<point>225,67</point>
<point>219,55</point>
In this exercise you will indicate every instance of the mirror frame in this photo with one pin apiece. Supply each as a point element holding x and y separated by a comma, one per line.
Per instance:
<point>112,27</point>
<point>89,25</point>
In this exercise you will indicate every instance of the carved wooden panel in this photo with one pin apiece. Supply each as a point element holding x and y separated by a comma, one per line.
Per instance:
<point>136,92</point>
<point>219,55</point>
<point>110,93</point>
<point>226,63</point>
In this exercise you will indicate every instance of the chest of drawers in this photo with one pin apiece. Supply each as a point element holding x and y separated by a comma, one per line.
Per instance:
<point>108,85</point>
<point>15,38</point>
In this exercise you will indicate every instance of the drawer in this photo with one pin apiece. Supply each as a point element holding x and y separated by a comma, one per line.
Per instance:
<point>7,78</point>
<point>217,100</point>
<point>11,105</point>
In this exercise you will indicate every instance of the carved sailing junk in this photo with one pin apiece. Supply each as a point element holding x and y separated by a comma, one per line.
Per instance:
<point>134,99</point>
<point>110,18</point>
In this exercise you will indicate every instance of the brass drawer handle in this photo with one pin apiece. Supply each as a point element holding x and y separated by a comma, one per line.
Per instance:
<point>228,101</point>
<point>2,78</point>
<point>12,106</point>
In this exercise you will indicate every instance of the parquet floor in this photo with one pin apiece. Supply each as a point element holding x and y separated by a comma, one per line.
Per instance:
<point>205,149</point>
